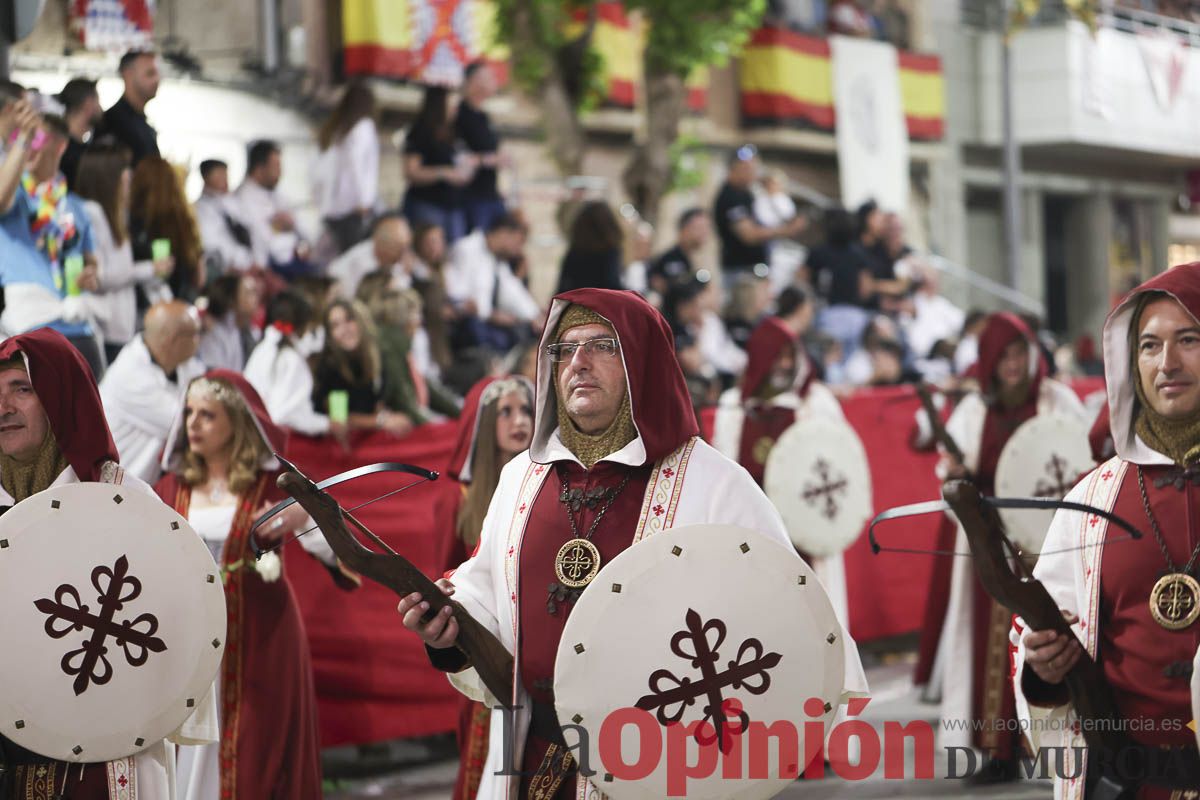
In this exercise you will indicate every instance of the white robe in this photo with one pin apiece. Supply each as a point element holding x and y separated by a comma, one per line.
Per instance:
<point>818,403</point>
<point>708,488</point>
<point>153,768</point>
<point>965,426</point>
<point>140,402</point>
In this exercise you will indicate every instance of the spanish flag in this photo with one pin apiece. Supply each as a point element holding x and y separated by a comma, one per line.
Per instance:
<point>787,77</point>
<point>621,43</point>
<point>384,38</point>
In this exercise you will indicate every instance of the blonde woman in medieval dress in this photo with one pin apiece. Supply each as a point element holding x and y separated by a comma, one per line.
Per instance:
<point>496,424</point>
<point>220,470</point>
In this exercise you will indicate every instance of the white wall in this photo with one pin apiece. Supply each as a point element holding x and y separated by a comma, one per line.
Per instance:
<point>1073,87</point>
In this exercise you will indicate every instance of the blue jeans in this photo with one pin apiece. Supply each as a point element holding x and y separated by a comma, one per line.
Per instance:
<point>845,325</point>
<point>453,221</point>
<point>482,210</point>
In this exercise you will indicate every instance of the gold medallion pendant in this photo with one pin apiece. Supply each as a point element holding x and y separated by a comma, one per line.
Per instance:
<point>1175,601</point>
<point>577,563</point>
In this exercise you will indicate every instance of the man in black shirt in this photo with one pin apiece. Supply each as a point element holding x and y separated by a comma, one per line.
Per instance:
<point>675,266</point>
<point>885,286</point>
<point>83,112</point>
<point>471,124</point>
<point>743,239</point>
<point>126,120</point>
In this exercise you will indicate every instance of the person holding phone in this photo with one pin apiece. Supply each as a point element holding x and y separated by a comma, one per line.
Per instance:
<point>44,229</point>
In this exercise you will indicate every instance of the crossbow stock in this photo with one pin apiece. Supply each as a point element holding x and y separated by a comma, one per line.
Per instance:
<point>487,655</point>
<point>995,558</point>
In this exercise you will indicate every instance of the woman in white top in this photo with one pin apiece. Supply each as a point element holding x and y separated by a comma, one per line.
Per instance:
<point>278,369</point>
<point>346,180</point>
<point>103,182</point>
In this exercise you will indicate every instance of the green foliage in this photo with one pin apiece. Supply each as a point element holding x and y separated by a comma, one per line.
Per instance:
<point>543,35</point>
<point>685,34</point>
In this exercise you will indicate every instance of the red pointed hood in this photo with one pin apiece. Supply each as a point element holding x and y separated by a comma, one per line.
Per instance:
<point>274,436</point>
<point>1182,283</point>
<point>764,346</point>
<point>461,459</point>
<point>1002,329</point>
<point>1100,436</point>
<point>67,391</point>
<point>658,395</point>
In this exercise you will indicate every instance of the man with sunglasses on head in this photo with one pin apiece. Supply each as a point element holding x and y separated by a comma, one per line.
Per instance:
<point>743,239</point>
<point>615,457</point>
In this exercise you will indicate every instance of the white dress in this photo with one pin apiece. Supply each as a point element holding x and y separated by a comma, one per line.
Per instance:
<point>198,773</point>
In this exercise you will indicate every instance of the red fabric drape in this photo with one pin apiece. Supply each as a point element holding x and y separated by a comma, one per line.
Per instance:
<point>373,679</point>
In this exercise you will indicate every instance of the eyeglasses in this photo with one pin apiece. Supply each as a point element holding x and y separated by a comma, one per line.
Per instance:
<point>565,351</point>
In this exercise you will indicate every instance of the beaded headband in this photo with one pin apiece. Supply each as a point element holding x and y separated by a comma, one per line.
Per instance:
<point>498,389</point>
<point>207,388</point>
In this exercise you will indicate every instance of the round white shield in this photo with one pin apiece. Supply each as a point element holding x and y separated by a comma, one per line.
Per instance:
<point>704,645</point>
<point>113,623</point>
<point>818,477</point>
<point>1044,457</point>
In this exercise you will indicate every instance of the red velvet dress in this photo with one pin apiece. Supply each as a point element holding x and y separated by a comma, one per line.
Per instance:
<point>270,746</point>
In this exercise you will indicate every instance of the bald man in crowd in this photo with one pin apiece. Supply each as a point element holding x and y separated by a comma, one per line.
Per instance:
<point>142,387</point>
<point>389,248</point>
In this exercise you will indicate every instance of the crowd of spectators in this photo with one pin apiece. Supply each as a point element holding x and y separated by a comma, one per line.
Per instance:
<point>382,318</point>
<point>887,20</point>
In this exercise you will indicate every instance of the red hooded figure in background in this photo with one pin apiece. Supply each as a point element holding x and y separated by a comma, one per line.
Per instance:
<point>1013,389</point>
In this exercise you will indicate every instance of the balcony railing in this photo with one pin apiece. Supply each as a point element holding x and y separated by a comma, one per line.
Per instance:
<point>989,15</point>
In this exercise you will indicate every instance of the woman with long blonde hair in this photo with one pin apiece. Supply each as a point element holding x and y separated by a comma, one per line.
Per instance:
<point>220,467</point>
<point>496,424</point>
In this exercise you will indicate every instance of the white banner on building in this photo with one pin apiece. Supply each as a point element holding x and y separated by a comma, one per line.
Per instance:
<point>872,137</point>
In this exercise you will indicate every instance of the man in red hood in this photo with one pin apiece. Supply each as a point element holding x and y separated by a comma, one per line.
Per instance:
<point>615,457</point>
<point>1134,602</point>
<point>1013,388</point>
<point>53,432</point>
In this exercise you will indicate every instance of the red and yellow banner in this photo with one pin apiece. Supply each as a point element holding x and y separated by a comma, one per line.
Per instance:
<point>426,40</point>
<point>620,42</point>
<point>787,77</point>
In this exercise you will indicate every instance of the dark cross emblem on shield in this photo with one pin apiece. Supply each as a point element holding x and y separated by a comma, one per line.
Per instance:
<point>1057,480</point>
<point>671,695</point>
<point>825,488</point>
<point>89,663</point>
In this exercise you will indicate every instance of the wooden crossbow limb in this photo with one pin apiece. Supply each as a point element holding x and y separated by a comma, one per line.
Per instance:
<point>487,655</point>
